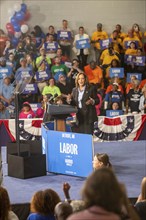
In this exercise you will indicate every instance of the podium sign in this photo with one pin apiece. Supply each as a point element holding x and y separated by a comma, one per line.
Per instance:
<point>68,153</point>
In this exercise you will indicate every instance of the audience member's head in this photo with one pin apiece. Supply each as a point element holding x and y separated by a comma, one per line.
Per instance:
<point>103,189</point>
<point>51,199</point>
<point>4,204</point>
<point>63,210</point>
<point>101,160</point>
<point>77,205</point>
<point>143,189</point>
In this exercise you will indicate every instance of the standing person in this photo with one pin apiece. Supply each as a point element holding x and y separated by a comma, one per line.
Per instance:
<point>95,40</point>
<point>4,113</point>
<point>85,98</point>
<point>39,36</point>
<point>51,30</point>
<point>82,54</point>
<point>5,206</point>
<point>65,41</point>
<point>133,98</point>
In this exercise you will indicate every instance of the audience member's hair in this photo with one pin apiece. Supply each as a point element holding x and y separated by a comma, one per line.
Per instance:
<point>104,158</point>
<point>143,189</point>
<point>77,205</point>
<point>51,198</point>
<point>4,204</point>
<point>63,210</point>
<point>102,189</point>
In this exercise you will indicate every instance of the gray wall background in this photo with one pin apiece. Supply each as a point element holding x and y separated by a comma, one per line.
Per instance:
<point>80,12</point>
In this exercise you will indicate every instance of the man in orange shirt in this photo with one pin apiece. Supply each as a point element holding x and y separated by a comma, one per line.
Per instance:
<point>94,73</point>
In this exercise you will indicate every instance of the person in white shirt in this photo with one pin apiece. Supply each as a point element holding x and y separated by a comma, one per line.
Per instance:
<point>82,53</point>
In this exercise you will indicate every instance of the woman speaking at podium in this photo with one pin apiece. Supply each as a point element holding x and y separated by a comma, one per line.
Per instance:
<point>85,98</point>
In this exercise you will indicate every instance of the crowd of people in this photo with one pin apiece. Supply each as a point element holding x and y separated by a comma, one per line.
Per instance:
<point>50,64</point>
<point>103,197</point>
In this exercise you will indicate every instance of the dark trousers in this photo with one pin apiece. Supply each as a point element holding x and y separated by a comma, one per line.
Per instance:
<point>82,59</point>
<point>66,50</point>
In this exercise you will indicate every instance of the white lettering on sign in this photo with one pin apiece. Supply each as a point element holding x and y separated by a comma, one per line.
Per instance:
<point>66,148</point>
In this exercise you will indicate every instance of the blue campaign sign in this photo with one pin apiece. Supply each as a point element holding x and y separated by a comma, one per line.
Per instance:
<point>35,106</point>
<point>137,60</point>
<point>31,88</point>
<point>24,74</point>
<point>42,75</point>
<point>138,76</point>
<point>63,35</point>
<point>104,43</point>
<point>69,153</point>
<point>82,44</point>
<point>113,113</point>
<point>127,43</point>
<point>117,72</point>
<point>140,60</point>
<point>51,46</point>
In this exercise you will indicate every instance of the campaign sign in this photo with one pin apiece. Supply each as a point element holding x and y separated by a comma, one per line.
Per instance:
<point>104,43</point>
<point>51,46</point>
<point>127,43</point>
<point>69,153</point>
<point>82,44</point>
<point>68,64</point>
<point>63,35</point>
<point>35,106</point>
<point>42,75</point>
<point>31,88</point>
<point>3,72</point>
<point>113,113</point>
<point>138,76</point>
<point>24,74</point>
<point>117,72</point>
<point>140,60</point>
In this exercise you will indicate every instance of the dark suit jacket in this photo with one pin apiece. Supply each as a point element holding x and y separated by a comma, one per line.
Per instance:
<point>89,111</point>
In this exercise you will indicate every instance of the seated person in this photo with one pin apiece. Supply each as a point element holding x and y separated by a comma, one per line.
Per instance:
<point>132,49</point>
<point>74,72</point>
<point>51,88</point>
<point>7,91</point>
<point>93,73</point>
<point>4,113</point>
<point>58,68</point>
<point>26,111</point>
<point>64,86</point>
<point>101,160</point>
<point>114,96</point>
<point>110,87</point>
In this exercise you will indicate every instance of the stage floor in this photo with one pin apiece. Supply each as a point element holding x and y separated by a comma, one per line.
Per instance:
<point>129,164</point>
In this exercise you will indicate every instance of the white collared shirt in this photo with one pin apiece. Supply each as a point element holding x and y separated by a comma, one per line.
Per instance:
<point>80,96</point>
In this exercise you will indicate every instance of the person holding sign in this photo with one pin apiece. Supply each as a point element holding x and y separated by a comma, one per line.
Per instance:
<point>84,96</point>
<point>64,37</point>
<point>95,40</point>
<point>50,46</point>
<point>131,37</point>
<point>82,45</point>
<point>132,49</point>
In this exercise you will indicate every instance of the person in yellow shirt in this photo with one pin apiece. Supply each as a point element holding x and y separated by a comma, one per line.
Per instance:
<point>108,55</point>
<point>95,40</point>
<point>117,42</point>
<point>132,50</point>
<point>130,38</point>
<point>121,35</point>
<point>136,31</point>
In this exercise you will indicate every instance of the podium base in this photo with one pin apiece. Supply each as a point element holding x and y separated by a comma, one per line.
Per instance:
<point>26,166</point>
